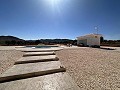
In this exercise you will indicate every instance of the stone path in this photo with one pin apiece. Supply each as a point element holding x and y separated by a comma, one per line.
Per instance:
<point>38,53</point>
<point>37,72</point>
<point>39,50</point>
<point>56,81</point>
<point>33,59</point>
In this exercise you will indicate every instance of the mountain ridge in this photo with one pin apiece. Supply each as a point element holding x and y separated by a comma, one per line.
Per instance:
<point>10,38</point>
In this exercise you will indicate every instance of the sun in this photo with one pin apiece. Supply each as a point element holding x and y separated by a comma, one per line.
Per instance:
<point>54,2</point>
<point>55,7</point>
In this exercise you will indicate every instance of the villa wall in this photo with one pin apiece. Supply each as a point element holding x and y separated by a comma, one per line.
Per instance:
<point>89,40</point>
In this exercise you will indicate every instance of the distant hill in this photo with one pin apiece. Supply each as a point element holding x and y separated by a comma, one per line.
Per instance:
<point>10,38</point>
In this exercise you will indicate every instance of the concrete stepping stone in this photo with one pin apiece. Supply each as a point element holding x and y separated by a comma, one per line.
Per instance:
<point>57,81</point>
<point>22,71</point>
<point>38,49</point>
<point>34,59</point>
<point>38,53</point>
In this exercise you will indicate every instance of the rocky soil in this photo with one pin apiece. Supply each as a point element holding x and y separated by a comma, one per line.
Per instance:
<point>92,69</point>
<point>7,59</point>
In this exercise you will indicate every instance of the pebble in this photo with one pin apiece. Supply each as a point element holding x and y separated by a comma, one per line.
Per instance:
<point>92,68</point>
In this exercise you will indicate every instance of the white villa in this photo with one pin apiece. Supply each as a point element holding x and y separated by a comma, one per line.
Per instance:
<point>89,40</point>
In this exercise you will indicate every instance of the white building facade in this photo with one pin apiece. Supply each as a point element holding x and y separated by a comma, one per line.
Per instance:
<point>89,40</point>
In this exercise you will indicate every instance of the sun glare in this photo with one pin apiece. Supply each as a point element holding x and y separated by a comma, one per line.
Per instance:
<point>54,2</point>
<point>54,5</point>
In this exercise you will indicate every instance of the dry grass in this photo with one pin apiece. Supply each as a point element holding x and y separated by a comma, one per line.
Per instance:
<point>92,69</point>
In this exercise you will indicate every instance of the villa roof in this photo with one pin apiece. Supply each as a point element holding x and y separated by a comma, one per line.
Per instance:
<point>90,35</point>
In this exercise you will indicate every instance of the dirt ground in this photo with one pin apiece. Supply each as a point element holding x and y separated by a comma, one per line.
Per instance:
<point>92,69</point>
<point>7,58</point>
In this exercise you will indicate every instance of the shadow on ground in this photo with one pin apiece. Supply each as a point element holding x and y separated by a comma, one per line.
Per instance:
<point>107,48</point>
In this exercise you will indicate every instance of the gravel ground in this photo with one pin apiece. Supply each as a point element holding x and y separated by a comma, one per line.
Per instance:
<point>92,69</point>
<point>7,59</point>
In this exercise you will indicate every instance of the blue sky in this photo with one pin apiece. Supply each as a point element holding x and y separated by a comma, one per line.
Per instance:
<point>39,19</point>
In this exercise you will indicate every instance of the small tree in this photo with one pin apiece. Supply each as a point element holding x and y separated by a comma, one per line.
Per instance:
<point>7,43</point>
<point>13,42</point>
<point>37,41</point>
<point>101,39</point>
